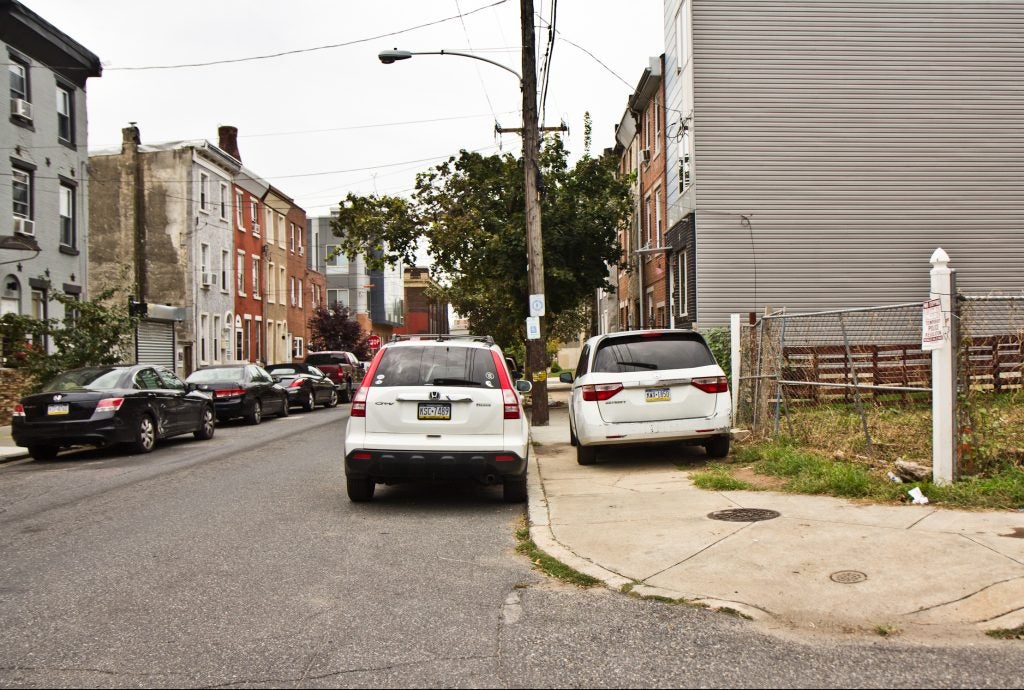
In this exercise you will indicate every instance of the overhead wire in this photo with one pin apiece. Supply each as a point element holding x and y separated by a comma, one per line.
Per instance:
<point>479,76</point>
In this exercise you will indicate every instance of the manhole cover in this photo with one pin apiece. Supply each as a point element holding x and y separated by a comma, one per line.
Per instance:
<point>848,577</point>
<point>744,514</point>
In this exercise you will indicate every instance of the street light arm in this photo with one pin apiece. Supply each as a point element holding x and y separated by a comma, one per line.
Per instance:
<point>389,56</point>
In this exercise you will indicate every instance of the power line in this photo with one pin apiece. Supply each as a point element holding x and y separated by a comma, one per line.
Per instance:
<point>303,50</point>
<point>547,59</point>
<point>469,45</point>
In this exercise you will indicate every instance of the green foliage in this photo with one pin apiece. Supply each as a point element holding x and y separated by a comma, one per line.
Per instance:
<point>721,347</point>
<point>334,329</point>
<point>548,564</point>
<point>555,367</point>
<point>92,333</point>
<point>718,478</point>
<point>469,214</point>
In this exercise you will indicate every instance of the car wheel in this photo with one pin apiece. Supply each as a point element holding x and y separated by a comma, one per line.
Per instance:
<point>333,402</point>
<point>717,447</point>
<point>145,435</point>
<point>207,425</point>
<point>514,490</point>
<point>586,455</point>
<point>573,441</point>
<point>43,452</point>
<point>360,489</point>
<point>346,394</point>
<point>309,403</point>
<point>285,407</point>
<point>255,416</point>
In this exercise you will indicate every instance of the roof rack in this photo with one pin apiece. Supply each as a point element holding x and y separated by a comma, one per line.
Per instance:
<point>440,337</point>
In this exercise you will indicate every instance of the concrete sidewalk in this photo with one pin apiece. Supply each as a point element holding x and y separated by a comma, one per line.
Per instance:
<point>824,563</point>
<point>9,451</point>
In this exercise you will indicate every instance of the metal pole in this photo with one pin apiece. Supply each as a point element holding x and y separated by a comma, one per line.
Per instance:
<point>778,380</point>
<point>536,350</point>
<point>856,384</point>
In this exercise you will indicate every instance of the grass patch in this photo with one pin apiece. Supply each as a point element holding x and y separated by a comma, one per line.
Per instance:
<point>886,630</point>
<point>1007,633</point>
<point>551,566</point>
<point>718,477</point>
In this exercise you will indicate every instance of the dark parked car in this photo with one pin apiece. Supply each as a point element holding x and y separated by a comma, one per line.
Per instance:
<point>341,367</point>
<point>101,406</point>
<point>241,390</point>
<point>305,384</point>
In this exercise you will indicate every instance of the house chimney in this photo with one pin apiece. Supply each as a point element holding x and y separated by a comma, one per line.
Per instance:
<point>229,140</point>
<point>130,138</point>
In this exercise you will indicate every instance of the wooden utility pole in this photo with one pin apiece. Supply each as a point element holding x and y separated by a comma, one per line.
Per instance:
<point>536,351</point>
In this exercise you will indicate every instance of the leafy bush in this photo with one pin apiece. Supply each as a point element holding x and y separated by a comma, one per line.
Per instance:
<point>721,347</point>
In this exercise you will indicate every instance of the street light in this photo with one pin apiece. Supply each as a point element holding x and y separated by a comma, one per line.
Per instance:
<point>536,350</point>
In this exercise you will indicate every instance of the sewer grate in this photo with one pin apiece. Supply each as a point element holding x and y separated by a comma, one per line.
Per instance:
<point>848,577</point>
<point>744,514</point>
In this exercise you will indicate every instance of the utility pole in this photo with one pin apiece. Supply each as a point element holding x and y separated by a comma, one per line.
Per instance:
<point>536,351</point>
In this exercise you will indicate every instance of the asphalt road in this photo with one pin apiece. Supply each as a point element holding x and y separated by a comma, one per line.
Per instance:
<point>240,562</point>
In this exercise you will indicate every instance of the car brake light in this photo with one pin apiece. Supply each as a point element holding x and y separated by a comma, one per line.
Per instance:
<point>229,393</point>
<point>361,456</point>
<point>19,410</point>
<point>712,384</point>
<point>297,383</point>
<point>508,394</point>
<point>109,404</point>
<point>596,392</point>
<point>359,399</point>
<point>504,458</point>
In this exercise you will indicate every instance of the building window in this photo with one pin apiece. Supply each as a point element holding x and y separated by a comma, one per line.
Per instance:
<point>279,230</point>
<point>300,293</point>
<point>256,277</point>
<point>291,289</point>
<point>270,226</point>
<point>204,192</point>
<point>335,260</point>
<point>239,213</point>
<point>21,184</point>
<point>684,293</point>
<point>314,256</point>
<point>223,201</point>
<point>40,311</point>
<point>240,273</point>
<point>254,210</point>
<point>204,260</point>
<point>239,354</point>
<point>647,224</point>
<point>271,283</point>
<point>657,217</point>
<point>337,298</point>
<point>67,216</point>
<point>281,282</point>
<point>258,334</point>
<point>204,327</point>
<point>291,237</point>
<point>248,339</point>
<point>65,114</point>
<point>682,36</point>
<point>225,266</point>
<point>19,79</point>
<point>656,107</point>
<point>297,348</point>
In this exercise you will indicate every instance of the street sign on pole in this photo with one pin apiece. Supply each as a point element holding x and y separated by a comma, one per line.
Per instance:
<point>532,328</point>
<point>536,305</point>
<point>373,341</point>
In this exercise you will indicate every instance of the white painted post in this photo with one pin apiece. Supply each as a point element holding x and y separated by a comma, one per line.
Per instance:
<point>943,391</point>
<point>734,359</point>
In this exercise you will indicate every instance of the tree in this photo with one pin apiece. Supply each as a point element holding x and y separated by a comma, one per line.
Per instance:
<point>470,211</point>
<point>334,329</point>
<point>92,333</point>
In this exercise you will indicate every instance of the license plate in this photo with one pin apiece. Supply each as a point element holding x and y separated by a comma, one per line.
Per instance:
<point>658,394</point>
<point>441,411</point>
<point>62,408</point>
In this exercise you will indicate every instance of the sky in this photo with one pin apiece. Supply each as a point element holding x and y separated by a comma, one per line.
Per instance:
<point>319,122</point>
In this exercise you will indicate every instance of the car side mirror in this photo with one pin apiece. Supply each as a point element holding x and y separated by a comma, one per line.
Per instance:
<point>524,386</point>
<point>191,387</point>
<point>565,377</point>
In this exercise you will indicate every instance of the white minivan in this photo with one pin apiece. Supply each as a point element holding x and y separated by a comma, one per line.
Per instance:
<point>438,407</point>
<point>648,386</point>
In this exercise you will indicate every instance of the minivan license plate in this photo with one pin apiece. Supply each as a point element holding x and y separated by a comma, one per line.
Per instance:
<point>436,411</point>
<point>658,394</point>
<point>62,408</point>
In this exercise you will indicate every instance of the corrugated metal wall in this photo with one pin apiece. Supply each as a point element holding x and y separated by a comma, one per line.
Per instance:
<point>838,143</point>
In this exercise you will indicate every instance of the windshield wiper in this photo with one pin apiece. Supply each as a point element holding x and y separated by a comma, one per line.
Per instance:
<point>454,382</point>
<point>640,365</point>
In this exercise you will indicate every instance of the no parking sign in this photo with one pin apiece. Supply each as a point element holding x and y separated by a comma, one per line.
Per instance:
<point>536,305</point>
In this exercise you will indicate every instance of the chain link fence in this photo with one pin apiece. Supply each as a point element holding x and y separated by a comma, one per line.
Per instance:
<point>855,383</point>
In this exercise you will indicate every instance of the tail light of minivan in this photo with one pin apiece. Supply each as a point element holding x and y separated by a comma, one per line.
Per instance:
<point>598,392</point>
<point>359,399</point>
<point>508,394</point>
<point>712,384</point>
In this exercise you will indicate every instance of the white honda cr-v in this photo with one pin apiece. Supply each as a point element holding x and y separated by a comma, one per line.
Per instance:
<point>437,408</point>
<point>648,386</point>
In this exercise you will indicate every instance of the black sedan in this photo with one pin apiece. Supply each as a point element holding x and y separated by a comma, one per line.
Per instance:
<point>241,390</point>
<point>101,406</point>
<point>306,385</point>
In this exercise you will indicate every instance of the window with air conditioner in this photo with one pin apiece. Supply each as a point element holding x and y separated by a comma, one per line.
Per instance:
<point>204,265</point>
<point>21,100</point>
<point>21,194</point>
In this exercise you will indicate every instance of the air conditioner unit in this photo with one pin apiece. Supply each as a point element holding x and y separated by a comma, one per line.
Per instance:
<point>21,108</point>
<point>24,226</point>
<point>255,228</point>
<point>302,250</point>
<point>209,279</point>
<point>645,155</point>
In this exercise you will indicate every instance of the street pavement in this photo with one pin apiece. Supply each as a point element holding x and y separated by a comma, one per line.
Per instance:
<point>636,521</point>
<point>9,451</point>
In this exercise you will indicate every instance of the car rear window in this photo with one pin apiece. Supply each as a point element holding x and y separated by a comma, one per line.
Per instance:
<point>95,379</point>
<point>436,366</point>
<point>655,352</point>
<point>325,359</point>
<point>236,374</point>
<point>282,371</point>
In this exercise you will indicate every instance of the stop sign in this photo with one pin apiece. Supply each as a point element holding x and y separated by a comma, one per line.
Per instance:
<point>373,341</point>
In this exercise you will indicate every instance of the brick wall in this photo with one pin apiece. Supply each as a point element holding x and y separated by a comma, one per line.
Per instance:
<point>13,385</point>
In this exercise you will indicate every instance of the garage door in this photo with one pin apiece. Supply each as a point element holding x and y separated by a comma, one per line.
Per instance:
<point>154,343</point>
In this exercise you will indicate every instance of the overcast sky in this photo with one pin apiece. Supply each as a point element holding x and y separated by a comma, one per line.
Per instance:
<point>321,123</point>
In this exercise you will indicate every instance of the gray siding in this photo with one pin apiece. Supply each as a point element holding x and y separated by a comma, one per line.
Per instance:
<point>856,137</point>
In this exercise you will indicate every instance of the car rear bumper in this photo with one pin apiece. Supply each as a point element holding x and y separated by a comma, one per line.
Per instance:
<point>229,408</point>
<point>599,433</point>
<point>100,432</point>
<point>390,466</point>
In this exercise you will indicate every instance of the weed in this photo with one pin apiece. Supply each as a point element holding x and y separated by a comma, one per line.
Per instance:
<point>717,477</point>
<point>733,612</point>
<point>1007,633</point>
<point>549,565</point>
<point>627,588</point>
<point>886,630</point>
